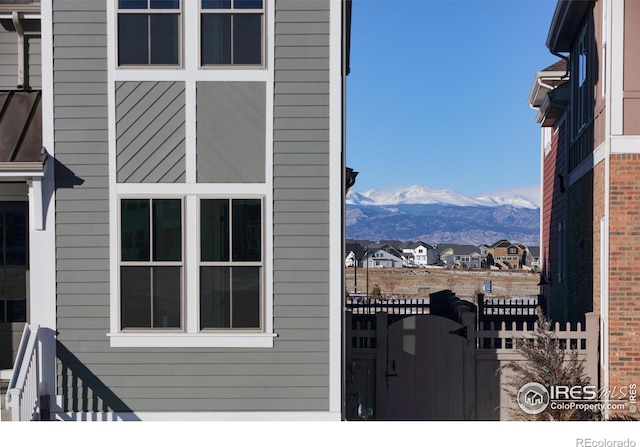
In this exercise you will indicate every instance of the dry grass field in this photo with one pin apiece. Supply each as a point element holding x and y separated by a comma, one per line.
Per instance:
<point>414,282</point>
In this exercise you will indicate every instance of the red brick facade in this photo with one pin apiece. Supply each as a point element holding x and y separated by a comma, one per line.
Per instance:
<point>624,270</point>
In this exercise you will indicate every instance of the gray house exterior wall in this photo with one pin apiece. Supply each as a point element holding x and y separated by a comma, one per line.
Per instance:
<point>92,375</point>
<point>9,55</point>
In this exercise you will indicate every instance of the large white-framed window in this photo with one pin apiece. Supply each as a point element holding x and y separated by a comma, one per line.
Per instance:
<point>151,264</point>
<point>191,272</point>
<point>232,33</point>
<point>149,32</point>
<point>230,264</point>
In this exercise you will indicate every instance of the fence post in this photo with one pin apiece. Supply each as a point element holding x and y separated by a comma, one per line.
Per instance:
<point>468,320</point>
<point>381,365</point>
<point>592,323</point>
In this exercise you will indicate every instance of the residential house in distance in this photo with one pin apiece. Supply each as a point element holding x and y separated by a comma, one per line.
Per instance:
<point>460,255</point>
<point>418,254</point>
<point>508,254</point>
<point>382,256</point>
<point>182,237</point>
<point>590,152</point>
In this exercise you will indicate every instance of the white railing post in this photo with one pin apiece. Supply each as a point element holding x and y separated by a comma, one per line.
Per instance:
<point>23,396</point>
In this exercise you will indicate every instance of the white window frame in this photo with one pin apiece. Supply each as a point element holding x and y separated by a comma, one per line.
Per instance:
<point>191,335</point>
<point>148,11</point>
<point>231,263</point>
<point>152,263</point>
<point>207,11</point>
<point>191,190</point>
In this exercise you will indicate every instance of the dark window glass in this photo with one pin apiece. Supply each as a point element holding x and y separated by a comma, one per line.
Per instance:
<point>135,296</point>
<point>216,39</point>
<point>17,310</point>
<point>166,297</point>
<point>135,231</point>
<point>165,4</point>
<point>214,230</point>
<point>216,4</point>
<point>132,4</point>
<point>247,230</point>
<point>247,4</point>
<point>133,43</point>
<point>167,230</point>
<point>15,229</point>
<point>164,39</point>
<point>247,39</point>
<point>245,291</point>
<point>215,297</point>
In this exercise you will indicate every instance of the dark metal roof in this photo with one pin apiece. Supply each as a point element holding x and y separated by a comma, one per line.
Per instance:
<point>21,130</point>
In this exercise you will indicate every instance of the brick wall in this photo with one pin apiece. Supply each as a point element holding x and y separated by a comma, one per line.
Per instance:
<point>624,270</point>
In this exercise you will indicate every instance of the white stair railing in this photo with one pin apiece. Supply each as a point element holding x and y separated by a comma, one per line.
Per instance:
<point>23,394</point>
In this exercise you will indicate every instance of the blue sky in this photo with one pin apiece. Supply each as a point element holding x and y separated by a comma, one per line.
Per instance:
<point>438,92</point>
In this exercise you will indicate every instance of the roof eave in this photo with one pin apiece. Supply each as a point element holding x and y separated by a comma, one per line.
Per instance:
<point>564,24</point>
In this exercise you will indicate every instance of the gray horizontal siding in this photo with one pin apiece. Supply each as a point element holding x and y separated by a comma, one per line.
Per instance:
<point>292,376</point>
<point>9,56</point>
<point>301,174</point>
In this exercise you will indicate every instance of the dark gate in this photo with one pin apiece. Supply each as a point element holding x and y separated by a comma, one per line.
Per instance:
<point>411,359</point>
<point>425,369</point>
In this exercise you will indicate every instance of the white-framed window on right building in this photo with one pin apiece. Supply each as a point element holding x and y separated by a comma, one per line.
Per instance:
<point>232,32</point>
<point>231,264</point>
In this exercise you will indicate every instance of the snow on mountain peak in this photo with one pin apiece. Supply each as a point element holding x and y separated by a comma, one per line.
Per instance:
<point>424,195</point>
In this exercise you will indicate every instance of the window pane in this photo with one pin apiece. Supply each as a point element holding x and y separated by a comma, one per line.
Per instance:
<point>134,235</point>
<point>216,39</point>
<point>216,4</point>
<point>132,4</point>
<point>17,310</point>
<point>215,305</point>
<point>166,296</point>
<point>247,39</point>
<point>164,39</point>
<point>165,4</point>
<point>246,297</point>
<point>247,230</point>
<point>214,230</point>
<point>167,230</point>
<point>135,297</point>
<point>15,226</point>
<point>133,39</point>
<point>2,312</point>
<point>247,4</point>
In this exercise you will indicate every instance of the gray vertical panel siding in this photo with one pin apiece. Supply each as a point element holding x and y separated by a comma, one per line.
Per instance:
<point>9,56</point>
<point>92,376</point>
<point>230,132</point>
<point>150,128</point>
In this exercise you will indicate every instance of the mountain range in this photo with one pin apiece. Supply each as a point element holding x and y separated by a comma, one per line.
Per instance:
<point>437,216</point>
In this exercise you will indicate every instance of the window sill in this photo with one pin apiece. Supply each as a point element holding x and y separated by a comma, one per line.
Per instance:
<point>130,340</point>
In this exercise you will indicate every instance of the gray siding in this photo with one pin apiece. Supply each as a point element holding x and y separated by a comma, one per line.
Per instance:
<point>301,180</point>
<point>9,55</point>
<point>231,132</point>
<point>150,128</point>
<point>294,375</point>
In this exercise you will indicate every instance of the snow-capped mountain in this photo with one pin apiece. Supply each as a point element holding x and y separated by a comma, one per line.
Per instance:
<point>424,195</point>
<point>442,216</point>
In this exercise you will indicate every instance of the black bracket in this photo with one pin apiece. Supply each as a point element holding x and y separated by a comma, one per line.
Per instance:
<point>462,332</point>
